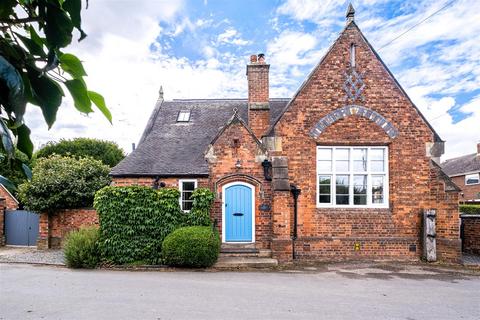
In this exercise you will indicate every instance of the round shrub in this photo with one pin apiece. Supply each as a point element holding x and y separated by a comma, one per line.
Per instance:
<point>81,248</point>
<point>196,247</point>
<point>63,182</point>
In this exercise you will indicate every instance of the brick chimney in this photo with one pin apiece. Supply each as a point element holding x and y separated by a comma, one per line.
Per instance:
<point>258,97</point>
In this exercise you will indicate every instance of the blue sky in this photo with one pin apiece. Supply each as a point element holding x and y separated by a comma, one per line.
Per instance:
<point>198,49</point>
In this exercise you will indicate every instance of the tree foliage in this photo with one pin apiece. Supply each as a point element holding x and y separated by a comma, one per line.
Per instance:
<point>63,182</point>
<point>34,69</point>
<point>13,171</point>
<point>134,220</point>
<point>106,151</point>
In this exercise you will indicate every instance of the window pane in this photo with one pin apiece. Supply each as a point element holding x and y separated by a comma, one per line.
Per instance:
<point>342,154</point>
<point>341,166</point>
<point>360,160</point>
<point>188,186</point>
<point>324,154</point>
<point>342,189</point>
<point>324,188</point>
<point>377,166</point>
<point>377,189</point>
<point>186,195</point>
<point>472,178</point>
<point>360,184</point>
<point>376,154</point>
<point>187,205</point>
<point>359,200</point>
<point>324,166</point>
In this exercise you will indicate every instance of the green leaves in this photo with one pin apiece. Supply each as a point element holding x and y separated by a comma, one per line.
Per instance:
<point>47,93</point>
<point>72,65</point>
<point>12,98</point>
<point>99,101</point>
<point>24,144</point>
<point>58,26</point>
<point>79,93</point>
<point>73,7</point>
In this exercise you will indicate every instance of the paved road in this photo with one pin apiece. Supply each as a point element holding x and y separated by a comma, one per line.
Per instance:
<point>334,292</point>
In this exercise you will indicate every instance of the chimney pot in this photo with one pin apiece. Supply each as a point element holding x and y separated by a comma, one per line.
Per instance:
<point>261,57</point>
<point>253,58</point>
<point>478,149</point>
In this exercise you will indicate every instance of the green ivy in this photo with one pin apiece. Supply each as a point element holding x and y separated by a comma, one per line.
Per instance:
<point>134,220</point>
<point>202,203</point>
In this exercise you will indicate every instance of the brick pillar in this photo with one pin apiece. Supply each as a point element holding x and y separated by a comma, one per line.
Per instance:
<point>2,221</point>
<point>282,239</point>
<point>43,241</point>
<point>258,95</point>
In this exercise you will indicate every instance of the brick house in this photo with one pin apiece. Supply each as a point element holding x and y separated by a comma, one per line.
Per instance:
<point>465,173</point>
<point>342,170</point>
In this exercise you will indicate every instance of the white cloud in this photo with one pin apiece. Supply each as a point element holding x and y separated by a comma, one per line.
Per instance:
<point>232,36</point>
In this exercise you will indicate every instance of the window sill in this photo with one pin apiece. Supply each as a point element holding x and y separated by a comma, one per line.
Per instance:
<point>353,207</point>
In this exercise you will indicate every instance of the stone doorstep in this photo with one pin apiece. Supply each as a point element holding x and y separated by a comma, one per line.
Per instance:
<point>225,262</point>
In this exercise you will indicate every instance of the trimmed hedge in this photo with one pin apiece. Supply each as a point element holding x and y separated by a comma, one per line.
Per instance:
<point>470,209</point>
<point>81,248</point>
<point>196,247</point>
<point>134,220</point>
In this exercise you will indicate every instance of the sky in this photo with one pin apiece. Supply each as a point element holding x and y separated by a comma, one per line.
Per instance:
<point>199,49</point>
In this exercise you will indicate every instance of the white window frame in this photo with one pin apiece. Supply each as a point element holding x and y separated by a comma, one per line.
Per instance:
<point>183,116</point>
<point>351,173</point>
<point>472,174</point>
<point>180,188</point>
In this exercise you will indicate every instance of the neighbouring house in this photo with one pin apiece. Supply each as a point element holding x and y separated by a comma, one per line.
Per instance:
<point>343,169</point>
<point>11,203</point>
<point>465,172</point>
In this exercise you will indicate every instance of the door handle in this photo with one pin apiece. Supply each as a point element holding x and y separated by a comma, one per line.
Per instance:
<point>238,214</point>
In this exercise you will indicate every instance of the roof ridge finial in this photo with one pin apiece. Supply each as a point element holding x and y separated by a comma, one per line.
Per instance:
<point>160,93</point>
<point>350,15</point>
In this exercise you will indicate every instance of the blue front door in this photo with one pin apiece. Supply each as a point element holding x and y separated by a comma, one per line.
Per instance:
<point>238,213</point>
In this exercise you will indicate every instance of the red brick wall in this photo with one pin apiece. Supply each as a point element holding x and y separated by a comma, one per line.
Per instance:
<point>11,202</point>
<point>2,221</point>
<point>332,233</point>
<point>258,84</point>
<point>471,234</point>
<point>223,158</point>
<point>447,219</point>
<point>259,121</point>
<point>470,192</point>
<point>54,227</point>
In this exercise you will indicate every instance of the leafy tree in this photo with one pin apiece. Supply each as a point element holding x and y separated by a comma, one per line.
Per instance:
<point>13,173</point>
<point>106,151</point>
<point>35,70</point>
<point>63,182</point>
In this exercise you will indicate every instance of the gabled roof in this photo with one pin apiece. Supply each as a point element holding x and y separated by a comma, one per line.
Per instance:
<point>352,24</point>
<point>171,148</point>
<point>462,165</point>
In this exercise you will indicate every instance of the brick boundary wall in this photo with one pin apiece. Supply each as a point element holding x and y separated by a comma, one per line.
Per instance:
<point>55,226</point>
<point>2,221</point>
<point>471,233</point>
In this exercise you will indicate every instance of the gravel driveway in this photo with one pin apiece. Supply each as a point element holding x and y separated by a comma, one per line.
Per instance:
<point>31,255</point>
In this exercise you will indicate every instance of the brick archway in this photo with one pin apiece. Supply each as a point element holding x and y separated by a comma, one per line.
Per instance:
<point>238,177</point>
<point>353,110</point>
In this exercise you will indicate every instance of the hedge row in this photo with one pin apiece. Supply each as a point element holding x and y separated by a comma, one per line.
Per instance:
<point>470,209</point>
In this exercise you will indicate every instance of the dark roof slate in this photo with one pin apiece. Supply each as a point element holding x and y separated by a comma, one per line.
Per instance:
<point>171,148</point>
<point>462,165</point>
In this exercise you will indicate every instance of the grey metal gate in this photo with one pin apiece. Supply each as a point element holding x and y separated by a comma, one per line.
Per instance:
<point>21,227</point>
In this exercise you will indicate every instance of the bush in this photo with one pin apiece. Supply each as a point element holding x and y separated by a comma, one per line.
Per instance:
<point>470,209</point>
<point>63,182</point>
<point>202,203</point>
<point>134,220</point>
<point>191,247</point>
<point>12,170</point>
<point>81,248</point>
<point>106,151</point>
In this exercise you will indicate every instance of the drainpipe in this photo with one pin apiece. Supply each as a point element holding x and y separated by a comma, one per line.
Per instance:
<point>295,193</point>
